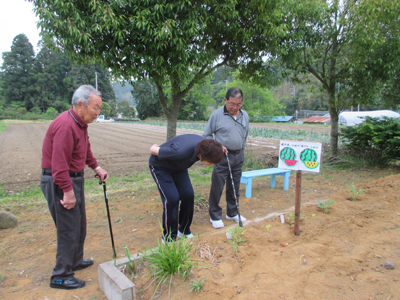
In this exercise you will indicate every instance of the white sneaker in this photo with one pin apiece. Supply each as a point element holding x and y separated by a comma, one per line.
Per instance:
<point>236,218</point>
<point>217,223</point>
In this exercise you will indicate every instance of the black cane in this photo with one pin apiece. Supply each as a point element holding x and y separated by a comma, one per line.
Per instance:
<point>234,191</point>
<point>108,214</point>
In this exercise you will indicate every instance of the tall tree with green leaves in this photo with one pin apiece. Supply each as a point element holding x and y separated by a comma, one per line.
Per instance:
<point>379,51</point>
<point>18,79</point>
<point>176,43</point>
<point>146,97</point>
<point>51,68</point>
<point>85,73</point>
<point>195,104</point>
<point>258,101</point>
<point>327,39</point>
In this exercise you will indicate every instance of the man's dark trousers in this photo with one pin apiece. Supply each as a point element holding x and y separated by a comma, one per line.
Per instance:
<point>221,175</point>
<point>175,186</point>
<point>70,225</point>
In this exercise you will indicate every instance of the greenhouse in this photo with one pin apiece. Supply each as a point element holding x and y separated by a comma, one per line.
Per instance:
<point>350,118</point>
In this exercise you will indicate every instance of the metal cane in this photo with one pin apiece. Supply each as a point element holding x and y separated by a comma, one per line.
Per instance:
<point>234,191</point>
<point>108,214</point>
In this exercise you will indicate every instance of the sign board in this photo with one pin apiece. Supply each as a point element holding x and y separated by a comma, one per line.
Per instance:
<point>299,155</point>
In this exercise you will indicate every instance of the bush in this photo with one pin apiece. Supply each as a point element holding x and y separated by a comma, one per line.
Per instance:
<point>376,140</point>
<point>51,112</point>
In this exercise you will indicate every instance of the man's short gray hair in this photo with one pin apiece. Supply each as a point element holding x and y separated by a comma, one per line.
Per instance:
<point>83,93</point>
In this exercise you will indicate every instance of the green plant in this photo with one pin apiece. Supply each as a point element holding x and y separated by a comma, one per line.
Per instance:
<point>355,193</point>
<point>2,278</point>
<point>377,140</point>
<point>290,219</point>
<point>131,266</point>
<point>197,285</point>
<point>325,205</point>
<point>237,234</point>
<point>168,259</point>
<point>268,226</point>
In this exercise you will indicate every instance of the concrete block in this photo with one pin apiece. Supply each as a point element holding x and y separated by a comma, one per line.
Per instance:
<point>114,284</point>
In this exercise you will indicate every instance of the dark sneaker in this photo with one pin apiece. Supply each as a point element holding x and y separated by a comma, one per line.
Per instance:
<point>83,265</point>
<point>68,283</point>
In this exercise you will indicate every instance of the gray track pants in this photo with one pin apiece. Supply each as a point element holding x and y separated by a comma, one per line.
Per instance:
<point>70,224</point>
<point>221,175</point>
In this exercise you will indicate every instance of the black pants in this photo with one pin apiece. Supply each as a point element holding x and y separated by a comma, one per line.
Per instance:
<point>70,224</point>
<point>220,175</point>
<point>175,186</point>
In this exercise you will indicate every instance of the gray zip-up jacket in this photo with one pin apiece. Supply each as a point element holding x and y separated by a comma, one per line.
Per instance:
<point>229,132</point>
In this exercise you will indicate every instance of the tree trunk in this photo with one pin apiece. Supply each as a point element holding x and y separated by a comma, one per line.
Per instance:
<point>170,112</point>
<point>334,125</point>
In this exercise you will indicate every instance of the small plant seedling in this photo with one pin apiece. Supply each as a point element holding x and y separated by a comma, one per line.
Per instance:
<point>237,234</point>
<point>290,219</point>
<point>325,205</point>
<point>197,285</point>
<point>131,267</point>
<point>268,226</point>
<point>355,193</point>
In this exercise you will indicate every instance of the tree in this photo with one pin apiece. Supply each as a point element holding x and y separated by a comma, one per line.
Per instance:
<point>146,97</point>
<point>124,108</point>
<point>18,79</point>
<point>175,43</point>
<point>379,48</point>
<point>85,73</point>
<point>51,68</point>
<point>327,39</point>
<point>258,102</point>
<point>195,104</point>
<point>105,109</point>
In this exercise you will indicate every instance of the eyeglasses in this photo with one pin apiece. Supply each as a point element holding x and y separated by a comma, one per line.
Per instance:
<point>238,105</point>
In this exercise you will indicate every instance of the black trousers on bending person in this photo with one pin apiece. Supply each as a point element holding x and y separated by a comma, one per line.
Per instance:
<point>70,225</point>
<point>220,176</point>
<point>175,186</point>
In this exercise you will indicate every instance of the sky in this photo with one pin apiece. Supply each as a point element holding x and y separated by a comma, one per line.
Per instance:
<point>17,16</point>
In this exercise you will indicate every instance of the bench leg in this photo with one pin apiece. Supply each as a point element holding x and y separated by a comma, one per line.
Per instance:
<point>286,181</point>
<point>248,187</point>
<point>272,180</point>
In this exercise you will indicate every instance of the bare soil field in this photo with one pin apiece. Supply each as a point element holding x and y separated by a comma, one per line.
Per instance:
<point>341,255</point>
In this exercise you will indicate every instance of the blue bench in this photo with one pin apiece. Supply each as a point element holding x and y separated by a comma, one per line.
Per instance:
<point>247,178</point>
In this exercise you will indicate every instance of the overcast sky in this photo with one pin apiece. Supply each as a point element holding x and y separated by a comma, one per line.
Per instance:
<point>17,16</point>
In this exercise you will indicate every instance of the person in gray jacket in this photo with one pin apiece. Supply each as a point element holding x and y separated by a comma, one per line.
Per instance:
<point>228,125</point>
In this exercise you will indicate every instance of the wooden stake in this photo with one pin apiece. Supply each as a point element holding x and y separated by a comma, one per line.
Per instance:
<point>297,204</point>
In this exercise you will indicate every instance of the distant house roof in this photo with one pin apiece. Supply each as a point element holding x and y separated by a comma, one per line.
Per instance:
<point>281,118</point>
<point>318,120</point>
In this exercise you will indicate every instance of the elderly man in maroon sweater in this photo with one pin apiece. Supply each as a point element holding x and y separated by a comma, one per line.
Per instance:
<point>66,151</point>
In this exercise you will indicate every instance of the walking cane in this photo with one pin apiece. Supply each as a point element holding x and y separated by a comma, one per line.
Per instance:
<point>234,191</point>
<point>108,213</point>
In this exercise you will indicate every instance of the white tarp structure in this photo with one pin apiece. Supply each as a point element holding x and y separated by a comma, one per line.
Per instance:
<point>350,118</point>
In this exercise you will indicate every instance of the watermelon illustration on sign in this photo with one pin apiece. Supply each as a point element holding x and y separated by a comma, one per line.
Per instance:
<point>309,158</point>
<point>288,156</point>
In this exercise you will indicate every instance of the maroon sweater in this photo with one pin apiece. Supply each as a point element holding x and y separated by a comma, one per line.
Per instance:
<point>66,147</point>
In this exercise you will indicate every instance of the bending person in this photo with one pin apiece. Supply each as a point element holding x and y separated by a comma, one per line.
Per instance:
<point>169,165</point>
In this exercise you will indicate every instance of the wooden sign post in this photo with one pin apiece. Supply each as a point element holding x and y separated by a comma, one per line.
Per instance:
<point>297,203</point>
<point>299,156</point>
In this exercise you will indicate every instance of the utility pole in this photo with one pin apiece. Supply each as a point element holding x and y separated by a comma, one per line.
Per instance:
<point>294,91</point>
<point>96,79</point>
<point>226,85</point>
